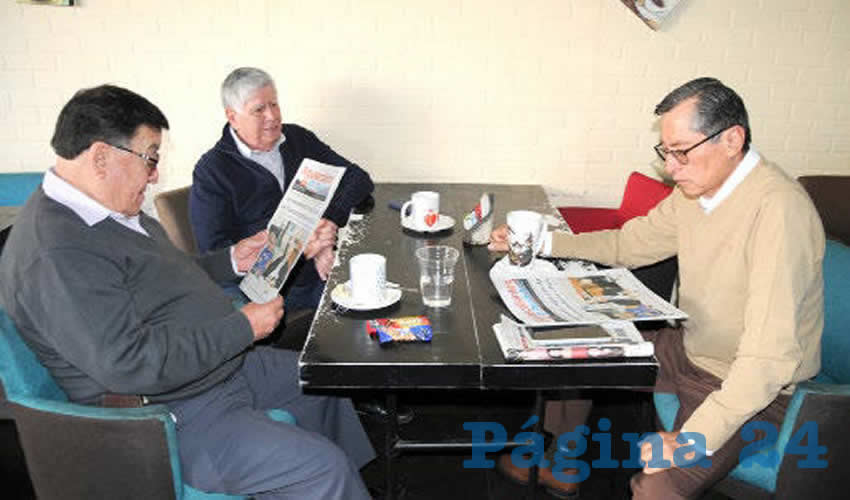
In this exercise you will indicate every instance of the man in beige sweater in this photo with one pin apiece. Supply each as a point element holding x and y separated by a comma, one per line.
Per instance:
<point>750,246</point>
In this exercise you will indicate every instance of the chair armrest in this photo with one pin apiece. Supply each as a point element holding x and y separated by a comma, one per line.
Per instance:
<point>827,405</point>
<point>95,412</point>
<point>78,451</point>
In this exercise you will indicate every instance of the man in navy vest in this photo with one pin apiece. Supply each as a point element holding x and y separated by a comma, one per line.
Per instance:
<point>238,184</point>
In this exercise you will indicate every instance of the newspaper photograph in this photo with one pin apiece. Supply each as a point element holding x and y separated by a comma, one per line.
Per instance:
<point>573,298</point>
<point>294,220</point>
<point>517,344</point>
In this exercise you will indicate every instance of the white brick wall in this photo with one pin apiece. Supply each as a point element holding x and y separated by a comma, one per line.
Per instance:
<point>556,92</point>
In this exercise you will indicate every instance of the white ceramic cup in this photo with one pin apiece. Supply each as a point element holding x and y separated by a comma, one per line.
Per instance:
<point>367,277</point>
<point>422,211</point>
<point>525,236</point>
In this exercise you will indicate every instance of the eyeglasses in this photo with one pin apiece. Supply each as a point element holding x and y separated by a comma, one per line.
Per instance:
<point>681,155</point>
<point>150,161</point>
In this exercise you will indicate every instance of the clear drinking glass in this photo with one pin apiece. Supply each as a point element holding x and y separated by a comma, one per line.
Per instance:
<point>437,274</point>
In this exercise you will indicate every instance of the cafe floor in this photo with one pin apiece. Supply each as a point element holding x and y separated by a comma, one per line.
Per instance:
<point>441,475</point>
<point>440,415</point>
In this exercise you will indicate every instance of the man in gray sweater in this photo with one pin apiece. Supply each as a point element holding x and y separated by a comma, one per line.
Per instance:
<point>117,313</point>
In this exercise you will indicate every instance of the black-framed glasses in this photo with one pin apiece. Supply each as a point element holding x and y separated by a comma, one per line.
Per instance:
<point>150,161</point>
<point>681,155</point>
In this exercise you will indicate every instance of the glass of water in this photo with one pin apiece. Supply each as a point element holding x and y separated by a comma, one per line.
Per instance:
<point>437,274</point>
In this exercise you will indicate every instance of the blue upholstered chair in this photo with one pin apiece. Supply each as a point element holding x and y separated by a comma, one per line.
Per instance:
<point>15,188</point>
<point>825,400</point>
<point>77,451</point>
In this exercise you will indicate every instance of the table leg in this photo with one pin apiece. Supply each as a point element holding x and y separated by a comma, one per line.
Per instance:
<point>539,401</point>
<point>390,438</point>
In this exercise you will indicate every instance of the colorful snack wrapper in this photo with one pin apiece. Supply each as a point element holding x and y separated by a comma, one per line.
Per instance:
<point>404,329</point>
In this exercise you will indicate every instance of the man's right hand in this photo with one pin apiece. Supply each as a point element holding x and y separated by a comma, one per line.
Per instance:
<point>264,318</point>
<point>499,239</point>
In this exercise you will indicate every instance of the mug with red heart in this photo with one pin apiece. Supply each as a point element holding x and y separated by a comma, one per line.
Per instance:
<point>422,211</point>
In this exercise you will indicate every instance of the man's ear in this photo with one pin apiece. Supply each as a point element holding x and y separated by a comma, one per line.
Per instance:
<point>230,113</point>
<point>733,140</point>
<point>99,151</point>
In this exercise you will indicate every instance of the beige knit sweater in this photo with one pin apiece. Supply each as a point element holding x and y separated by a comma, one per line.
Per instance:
<point>750,280</point>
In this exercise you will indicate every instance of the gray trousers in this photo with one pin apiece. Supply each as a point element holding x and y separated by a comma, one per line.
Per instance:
<point>228,444</point>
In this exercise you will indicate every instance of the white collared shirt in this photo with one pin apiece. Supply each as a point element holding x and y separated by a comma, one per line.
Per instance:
<point>271,160</point>
<point>748,163</point>
<point>87,208</point>
<point>92,211</point>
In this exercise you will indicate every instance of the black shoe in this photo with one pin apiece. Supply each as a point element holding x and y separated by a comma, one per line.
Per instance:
<point>380,494</point>
<point>373,408</point>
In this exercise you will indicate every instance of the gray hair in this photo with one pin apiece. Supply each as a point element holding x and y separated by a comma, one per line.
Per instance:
<point>718,107</point>
<point>240,84</point>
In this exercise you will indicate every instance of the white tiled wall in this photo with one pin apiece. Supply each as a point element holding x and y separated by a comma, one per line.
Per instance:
<point>556,92</point>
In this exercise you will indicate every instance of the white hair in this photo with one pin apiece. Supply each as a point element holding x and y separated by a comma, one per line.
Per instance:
<point>240,84</point>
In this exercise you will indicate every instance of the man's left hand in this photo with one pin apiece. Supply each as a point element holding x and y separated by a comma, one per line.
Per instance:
<point>669,445</point>
<point>324,261</point>
<point>323,237</point>
<point>246,251</point>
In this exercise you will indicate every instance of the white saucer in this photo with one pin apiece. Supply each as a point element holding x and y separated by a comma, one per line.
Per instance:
<point>341,295</point>
<point>443,223</point>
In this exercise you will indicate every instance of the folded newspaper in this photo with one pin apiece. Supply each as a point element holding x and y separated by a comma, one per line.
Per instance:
<point>546,296</point>
<point>517,343</point>
<point>294,220</point>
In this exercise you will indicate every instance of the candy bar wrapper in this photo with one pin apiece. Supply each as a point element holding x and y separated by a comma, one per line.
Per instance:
<point>479,222</point>
<point>404,329</point>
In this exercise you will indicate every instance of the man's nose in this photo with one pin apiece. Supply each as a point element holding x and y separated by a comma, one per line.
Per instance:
<point>671,164</point>
<point>153,176</point>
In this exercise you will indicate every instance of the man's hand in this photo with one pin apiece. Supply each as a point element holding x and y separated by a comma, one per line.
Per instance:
<point>264,318</point>
<point>246,251</point>
<point>323,237</point>
<point>669,445</point>
<point>499,239</point>
<point>324,261</point>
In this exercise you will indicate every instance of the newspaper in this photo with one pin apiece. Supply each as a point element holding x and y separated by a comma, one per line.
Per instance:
<point>540,296</point>
<point>294,220</point>
<point>518,346</point>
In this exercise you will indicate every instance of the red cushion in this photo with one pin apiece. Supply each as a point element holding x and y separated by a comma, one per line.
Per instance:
<point>641,195</point>
<point>584,219</point>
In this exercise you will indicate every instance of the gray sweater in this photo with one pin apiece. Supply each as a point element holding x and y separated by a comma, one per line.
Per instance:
<point>109,310</point>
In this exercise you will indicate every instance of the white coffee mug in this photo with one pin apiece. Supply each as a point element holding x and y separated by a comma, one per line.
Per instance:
<point>367,277</point>
<point>525,236</point>
<point>422,211</point>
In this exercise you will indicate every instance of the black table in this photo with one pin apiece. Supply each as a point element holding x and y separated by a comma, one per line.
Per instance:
<point>463,353</point>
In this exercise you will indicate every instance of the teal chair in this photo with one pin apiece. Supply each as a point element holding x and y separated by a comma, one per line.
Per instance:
<point>77,451</point>
<point>15,188</point>
<point>825,401</point>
